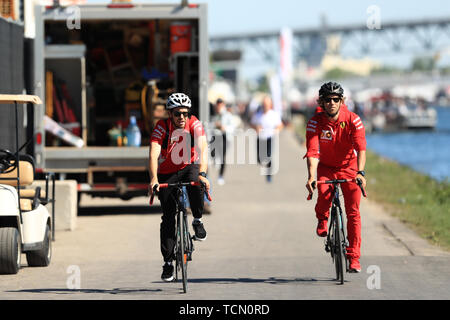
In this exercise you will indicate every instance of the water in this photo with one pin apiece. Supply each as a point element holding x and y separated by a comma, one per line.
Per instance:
<point>425,151</point>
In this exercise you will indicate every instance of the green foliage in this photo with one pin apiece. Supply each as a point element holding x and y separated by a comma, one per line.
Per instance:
<point>263,84</point>
<point>418,200</point>
<point>442,194</point>
<point>423,64</point>
<point>337,73</point>
<point>387,70</point>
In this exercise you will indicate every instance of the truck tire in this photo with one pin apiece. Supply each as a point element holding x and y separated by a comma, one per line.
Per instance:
<point>10,250</point>
<point>42,257</point>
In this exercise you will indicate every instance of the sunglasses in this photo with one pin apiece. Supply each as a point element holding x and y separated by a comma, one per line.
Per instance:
<point>328,100</point>
<point>178,114</point>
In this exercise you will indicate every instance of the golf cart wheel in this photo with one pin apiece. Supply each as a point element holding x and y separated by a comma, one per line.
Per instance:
<point>10,250</point>
<point>42,257</point>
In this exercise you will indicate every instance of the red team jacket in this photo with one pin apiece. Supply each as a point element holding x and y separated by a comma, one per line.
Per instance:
<point>173,159</point>
<point>335,143</point>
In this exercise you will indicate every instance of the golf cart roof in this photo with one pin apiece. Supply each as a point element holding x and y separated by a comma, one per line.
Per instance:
<point>20,98</point>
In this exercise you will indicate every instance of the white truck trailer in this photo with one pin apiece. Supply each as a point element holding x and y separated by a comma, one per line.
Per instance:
<point>95,66</point>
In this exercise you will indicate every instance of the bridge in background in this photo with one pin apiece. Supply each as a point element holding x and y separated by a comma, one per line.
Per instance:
<point>430,36</point>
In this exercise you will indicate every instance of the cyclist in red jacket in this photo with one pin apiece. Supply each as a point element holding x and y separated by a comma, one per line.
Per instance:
<point>336,149</point>
<point>178,152</point>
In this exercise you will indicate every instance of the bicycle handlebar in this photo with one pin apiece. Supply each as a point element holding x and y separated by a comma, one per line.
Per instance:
<point>177,184</point>
<point>337,181</point>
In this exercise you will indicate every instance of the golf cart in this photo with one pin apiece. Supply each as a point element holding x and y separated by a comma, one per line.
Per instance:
<point>25,223</point>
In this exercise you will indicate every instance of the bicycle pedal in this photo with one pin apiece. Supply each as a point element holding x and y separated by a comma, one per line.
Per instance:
<point>327,246</point>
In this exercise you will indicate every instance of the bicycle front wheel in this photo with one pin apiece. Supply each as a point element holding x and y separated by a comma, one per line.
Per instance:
<point>339,257</point>
<point>183,253</point>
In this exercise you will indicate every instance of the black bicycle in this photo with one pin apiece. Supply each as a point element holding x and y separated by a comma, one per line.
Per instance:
<point>336,242</point>
<point>184,245</point>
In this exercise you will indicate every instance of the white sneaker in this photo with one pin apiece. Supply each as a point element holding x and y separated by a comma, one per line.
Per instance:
<point>220,181</point>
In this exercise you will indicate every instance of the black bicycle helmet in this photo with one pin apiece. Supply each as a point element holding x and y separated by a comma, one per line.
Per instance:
<point>330,88</point>
<point>177,100</point>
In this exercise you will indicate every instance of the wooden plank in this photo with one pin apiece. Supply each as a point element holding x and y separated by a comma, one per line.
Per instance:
<point>49,94</point>
<point>105,169</point>
<point>19,98</point>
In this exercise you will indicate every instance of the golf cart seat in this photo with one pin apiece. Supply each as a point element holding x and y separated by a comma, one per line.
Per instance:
<point>31,197</point>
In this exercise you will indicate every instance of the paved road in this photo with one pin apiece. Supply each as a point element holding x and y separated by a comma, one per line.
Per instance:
<point>261,245</point>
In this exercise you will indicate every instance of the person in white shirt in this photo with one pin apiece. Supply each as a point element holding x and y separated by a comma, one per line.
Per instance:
<point>224,129</point>
<point>267,124</point>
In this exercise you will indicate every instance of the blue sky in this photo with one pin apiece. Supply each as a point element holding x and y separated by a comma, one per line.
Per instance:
<point>234,16</point>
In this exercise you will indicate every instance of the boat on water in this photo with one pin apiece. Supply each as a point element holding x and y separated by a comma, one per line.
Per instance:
<point>419,118</point>
<point>409,119</point>
<point>388,113</point>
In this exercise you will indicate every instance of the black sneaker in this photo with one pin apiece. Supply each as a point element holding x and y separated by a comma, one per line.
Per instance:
<point>200,232</point>
<point>167,274</point>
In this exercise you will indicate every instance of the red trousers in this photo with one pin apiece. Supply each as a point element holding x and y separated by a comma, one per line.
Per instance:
<point>352,197</point>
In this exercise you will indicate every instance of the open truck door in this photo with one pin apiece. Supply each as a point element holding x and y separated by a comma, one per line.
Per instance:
<point>118,61</point>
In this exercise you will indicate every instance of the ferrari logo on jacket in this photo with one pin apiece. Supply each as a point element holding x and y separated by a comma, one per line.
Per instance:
<point>326,135</point>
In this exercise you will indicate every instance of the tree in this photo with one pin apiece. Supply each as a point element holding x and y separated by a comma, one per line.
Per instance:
<point>337,73</point>
<point>423,64</point>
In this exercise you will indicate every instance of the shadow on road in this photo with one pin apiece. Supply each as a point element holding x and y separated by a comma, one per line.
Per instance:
<point>107,210</point>
<point>271,280</point>
<point>169,291</point>
<point>104,291</point>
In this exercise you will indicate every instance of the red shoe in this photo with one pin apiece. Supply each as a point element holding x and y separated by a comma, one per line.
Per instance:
<point>354,267</point>
<point>322,229</point>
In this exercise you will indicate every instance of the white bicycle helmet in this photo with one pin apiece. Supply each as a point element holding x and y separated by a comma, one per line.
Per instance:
<point>177,100</point>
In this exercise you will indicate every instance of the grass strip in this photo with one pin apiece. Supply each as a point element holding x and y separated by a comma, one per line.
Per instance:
<point>416,199</point>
